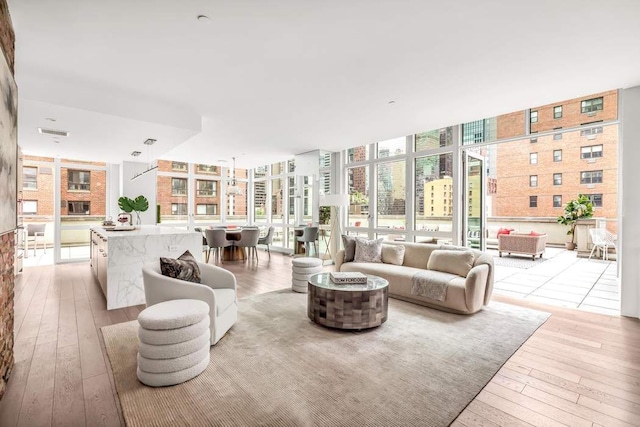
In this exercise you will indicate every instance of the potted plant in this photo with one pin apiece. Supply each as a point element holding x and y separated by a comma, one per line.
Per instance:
<point>137,205</point>
<point>575,210</point>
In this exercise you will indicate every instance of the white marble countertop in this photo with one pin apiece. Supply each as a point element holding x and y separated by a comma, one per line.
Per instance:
<point>142,230</point>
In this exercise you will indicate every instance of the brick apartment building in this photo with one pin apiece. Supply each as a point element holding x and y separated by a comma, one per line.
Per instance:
<point>537,176</point>
<point>83,190</point>
<point>173,190</point>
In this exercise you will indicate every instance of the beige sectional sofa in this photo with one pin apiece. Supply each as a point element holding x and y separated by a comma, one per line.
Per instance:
<point>464,295</point>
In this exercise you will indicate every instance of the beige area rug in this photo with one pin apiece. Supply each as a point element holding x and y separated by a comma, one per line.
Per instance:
<point>277,368</point>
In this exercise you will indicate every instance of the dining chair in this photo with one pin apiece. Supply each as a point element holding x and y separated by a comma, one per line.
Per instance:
<point>34,231</point>
<point>267,240</point>
<point>249,240</point>
<point>603,239</point>
<point>216,240</point>
<point>309,235</point>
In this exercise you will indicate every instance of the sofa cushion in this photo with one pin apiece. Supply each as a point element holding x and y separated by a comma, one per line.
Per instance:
<point>393,254</point>
<point>184,268</point>
<point>349,243</point>
<point>458,262</point>
<point>368,250</point>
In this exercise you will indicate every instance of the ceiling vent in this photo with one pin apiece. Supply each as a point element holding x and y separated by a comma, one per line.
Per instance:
<point>53,132</point>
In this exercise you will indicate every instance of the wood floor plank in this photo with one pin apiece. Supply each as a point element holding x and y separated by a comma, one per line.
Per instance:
<point>99,401</point>
<point>579,368</point>
<point>37,403</point>
<point>68,394</point>
<point>91,356</point>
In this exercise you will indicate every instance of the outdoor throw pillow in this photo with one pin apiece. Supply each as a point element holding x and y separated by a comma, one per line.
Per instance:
<point>349,243</point>
<point>451,261</point>
<point>393,254</point>
<point>184,268</point>
<point>368,250</point>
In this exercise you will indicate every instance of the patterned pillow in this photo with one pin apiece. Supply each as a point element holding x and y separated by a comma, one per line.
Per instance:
<point>184,268</point>
<point>368,250</point>
<point>349,243</point>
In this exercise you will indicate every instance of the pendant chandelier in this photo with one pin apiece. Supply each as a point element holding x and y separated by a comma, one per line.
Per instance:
<point>234,189</point>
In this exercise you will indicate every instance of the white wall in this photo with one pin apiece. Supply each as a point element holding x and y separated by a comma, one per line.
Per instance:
<point>629,202</point>
<point>143,185</point>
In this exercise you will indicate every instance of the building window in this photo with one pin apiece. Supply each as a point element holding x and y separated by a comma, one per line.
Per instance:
<point>178,208</point>
<point>557,136</point>
<point>30,177</point>
<point>206,188</point>
<point>591,177</point>
<point>29,207</point>
<point>179,166</point>
<point>79,180</point>
<point>595,199</point>
<point>206,169</point>
<point>557,112</point>
<point>534,117</point>
<point>533,180</point>
<point>79,208</point>
<point>591,131</point>
<point>533,201</point>
<point>557,179</point>
<point>178,186</point>
<point>591,152</point>
<point>591,105</point>
<point>557,201</point>
<point>557,155</point>
<point>208,209</point>
<point>533,140</point>
<point>533,158</point>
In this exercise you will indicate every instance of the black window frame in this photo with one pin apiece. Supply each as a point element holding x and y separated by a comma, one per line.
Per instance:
<point>557,204</point>
<point>588,106</point>
<point>554,155</point>
<point>590,179</point>
<point>557,115</point>
<point>73,212</point>
<point>186,209</point>
<point>201,193</point>
<point>78,186</point>
<point>25,180</point>
<point>557,174</point>
<point>596,199</point>
<point>533,178</point>
<point>590,154</point>
<point>173,188</point>
<point>533,201</point>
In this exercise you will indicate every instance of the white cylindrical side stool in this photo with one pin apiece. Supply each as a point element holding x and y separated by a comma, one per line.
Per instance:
<point>302,269</point>
<point>174,342</point>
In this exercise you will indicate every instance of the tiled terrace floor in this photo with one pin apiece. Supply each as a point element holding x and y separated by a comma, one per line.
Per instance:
<point>562,280</point>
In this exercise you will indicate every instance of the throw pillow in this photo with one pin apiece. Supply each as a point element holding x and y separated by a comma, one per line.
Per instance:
<point>349,243</point>
<point>448,261</point>
<point>393,254</point>
<point>184,268</point>
<point>368,250</point>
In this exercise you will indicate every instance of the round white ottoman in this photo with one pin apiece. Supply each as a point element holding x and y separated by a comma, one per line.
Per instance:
<point>174,342</point>
<point>302,269</point>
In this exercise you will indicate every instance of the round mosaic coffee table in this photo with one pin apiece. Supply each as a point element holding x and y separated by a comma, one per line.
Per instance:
<point>348,306</point>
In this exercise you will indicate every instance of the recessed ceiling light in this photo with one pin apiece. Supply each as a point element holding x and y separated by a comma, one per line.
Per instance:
<point>136,153</point>
<point>57,141</point>
<point>53,132</point>
<point>50,119</point>
<point>391,102</point>
<point>150,141</point>
<point>222,161</point>
<point>204,19</point>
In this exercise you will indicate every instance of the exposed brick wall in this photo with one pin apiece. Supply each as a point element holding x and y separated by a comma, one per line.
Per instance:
<point>7,245</point>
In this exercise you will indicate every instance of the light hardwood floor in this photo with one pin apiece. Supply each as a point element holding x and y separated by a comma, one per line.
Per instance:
<point>578,369</point>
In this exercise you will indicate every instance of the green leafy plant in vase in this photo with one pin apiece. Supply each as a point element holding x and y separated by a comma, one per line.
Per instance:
<point>574,210</point>
<point>137,205</point>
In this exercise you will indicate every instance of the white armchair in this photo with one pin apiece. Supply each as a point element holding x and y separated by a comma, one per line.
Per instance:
<point>217,288</point>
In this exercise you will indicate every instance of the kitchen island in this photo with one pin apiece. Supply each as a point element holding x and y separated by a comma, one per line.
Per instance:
<point>117,258</point>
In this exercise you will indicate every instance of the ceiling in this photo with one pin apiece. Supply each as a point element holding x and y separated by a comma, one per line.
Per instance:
<point>264,81</point>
